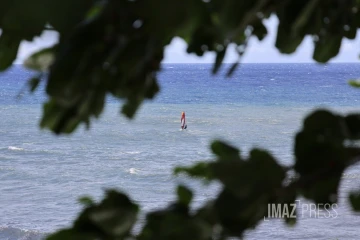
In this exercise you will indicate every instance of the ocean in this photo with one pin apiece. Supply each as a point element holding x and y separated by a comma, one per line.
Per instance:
<point>262,106</point>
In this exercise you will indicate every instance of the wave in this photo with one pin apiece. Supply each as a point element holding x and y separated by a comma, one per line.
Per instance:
<point>11,233</point>
<point>133,171</point>
<point>31,150</point>
<point>12,148</point>
<point>132,152</point>
<point>7,169</point>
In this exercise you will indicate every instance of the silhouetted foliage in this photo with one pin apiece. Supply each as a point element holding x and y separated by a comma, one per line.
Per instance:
<point>116,47</point>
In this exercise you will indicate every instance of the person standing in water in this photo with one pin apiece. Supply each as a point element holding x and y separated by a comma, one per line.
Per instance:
<point>183,121</point>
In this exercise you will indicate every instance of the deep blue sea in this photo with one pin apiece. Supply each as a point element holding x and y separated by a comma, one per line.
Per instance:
<point>262,105</point>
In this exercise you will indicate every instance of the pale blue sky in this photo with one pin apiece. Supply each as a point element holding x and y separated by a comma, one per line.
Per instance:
<point>257,52</point>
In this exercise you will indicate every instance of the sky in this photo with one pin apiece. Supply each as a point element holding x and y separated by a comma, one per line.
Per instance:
<point>257,52</point>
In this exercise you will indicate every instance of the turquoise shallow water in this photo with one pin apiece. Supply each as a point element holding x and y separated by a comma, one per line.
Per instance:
<point>42,175</point>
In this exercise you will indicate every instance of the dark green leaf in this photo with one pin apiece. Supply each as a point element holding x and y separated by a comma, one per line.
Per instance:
<point>232,69</point>
<point>225,151</point>
<point>326,48</point>
<point>24,19</point>
<point>129,108</point>
<point>174,223</point>
<point>114,216</point>
<point>352,122</point>
<point>355,201</point>
<point>354,83</point>
<point>200,170</point>
<point>9,45</point>
<point>42,60</point>
<point>351,32</point>
<point>320,155</point>
<point>285,42</point>
<point>184,195</point>
<point>238,214</point>
<point>207,213</point>
<point>304,16</point>
<point>75,12</point>
<point>259,30</point>
<point>325,123</point>
<point>71,234</point>
<point>34,82</point>
<point>87,201</point>
<point>95,10</point>
<point>219,59</point>
<point>246,178</point>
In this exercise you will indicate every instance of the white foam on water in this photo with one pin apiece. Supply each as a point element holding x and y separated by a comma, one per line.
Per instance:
<point>12,148</point>
<point>10,233</point>
<point>133,152</point>
<point>133,171</point>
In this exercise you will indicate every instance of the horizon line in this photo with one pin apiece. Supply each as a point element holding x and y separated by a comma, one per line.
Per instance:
<point>358,62</point>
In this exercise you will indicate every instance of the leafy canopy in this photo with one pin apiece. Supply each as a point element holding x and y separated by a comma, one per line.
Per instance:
<point>116,47</point>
